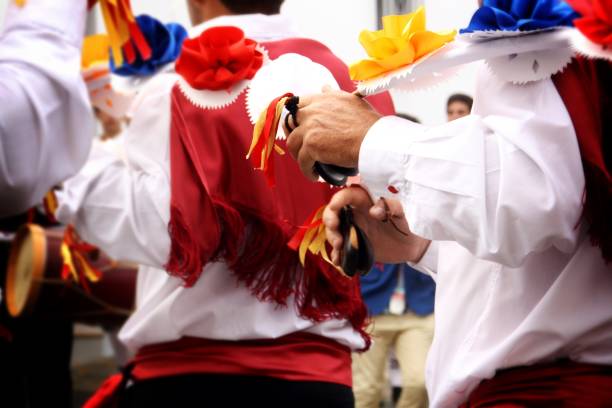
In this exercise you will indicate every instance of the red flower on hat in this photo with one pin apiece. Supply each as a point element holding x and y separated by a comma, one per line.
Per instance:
<point>596,21</point>
<point>219,58</point>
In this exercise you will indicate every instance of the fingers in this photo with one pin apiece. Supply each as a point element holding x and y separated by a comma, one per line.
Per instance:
<point>295,145</point>
<point>378,211</point>
<point>331,220</point>
<point>354,196</point>
<point>295,139</point>
<point>307,164</point>
<point>306,100</point>
<point>284,124</point>
<point>394,208</point>
<point>385,208</point>
<point>335,256</point>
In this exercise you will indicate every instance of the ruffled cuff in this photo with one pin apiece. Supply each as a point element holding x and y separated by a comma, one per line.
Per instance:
<point>384,155</point>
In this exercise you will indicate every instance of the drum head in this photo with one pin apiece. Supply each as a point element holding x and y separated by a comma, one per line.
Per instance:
<point>25,269</point>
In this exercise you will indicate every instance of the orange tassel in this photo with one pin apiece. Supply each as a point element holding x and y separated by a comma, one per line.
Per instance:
<point>310,237</point>
<point>77,266</point>
<point>50,205</point>
<point>264,138</point>
<point>123,31</point>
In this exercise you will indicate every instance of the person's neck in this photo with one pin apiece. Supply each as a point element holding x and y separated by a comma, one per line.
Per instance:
<point>212,10</point>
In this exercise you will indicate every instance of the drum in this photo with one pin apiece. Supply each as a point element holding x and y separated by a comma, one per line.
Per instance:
<point>34,285</point>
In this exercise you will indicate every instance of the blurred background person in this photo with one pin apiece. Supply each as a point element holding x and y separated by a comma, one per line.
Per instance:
<point>45,128</point>
<point>458,106</point>
<point>111,126</point>
<point>400,301</point>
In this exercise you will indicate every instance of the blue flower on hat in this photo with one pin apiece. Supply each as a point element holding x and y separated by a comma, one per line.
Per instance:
<point>165,41</point>
<point>520,15</point>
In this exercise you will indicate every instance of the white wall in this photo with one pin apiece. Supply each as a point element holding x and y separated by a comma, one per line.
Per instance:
<point>3,4</point>
<point>337,23</point>
<point>430,105</point>
<point>165,10</point>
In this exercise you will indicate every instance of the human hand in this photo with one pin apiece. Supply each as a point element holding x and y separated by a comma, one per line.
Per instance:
<point>383,222</point>
<point>331,128</point>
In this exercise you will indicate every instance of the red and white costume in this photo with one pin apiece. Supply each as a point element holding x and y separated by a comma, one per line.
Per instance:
<point>126,209</point>
<point>501,194</point>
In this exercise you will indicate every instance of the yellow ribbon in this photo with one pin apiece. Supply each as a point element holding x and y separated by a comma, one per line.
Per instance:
<point>20,3</point>
<point>263,143</point>
<point>50,205</point>
<point>402,41</point>
<point>74,259</point>
<point>311,238</point>
<point>116,28</point>
<point>95,51</point>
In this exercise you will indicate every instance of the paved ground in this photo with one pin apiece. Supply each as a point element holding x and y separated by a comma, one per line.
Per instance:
<point>87,378</point>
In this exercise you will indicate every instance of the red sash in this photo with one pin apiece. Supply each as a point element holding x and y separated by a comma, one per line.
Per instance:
<point>560,384</point>
<point>295,357</point>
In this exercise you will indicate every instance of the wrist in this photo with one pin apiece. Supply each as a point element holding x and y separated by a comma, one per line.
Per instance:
<point>360,134</point>
<point>419,248</point>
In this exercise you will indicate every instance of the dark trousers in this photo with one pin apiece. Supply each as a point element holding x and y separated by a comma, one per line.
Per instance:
<point>35,364</point>
<point>228,391</point>
<point>34,358</point>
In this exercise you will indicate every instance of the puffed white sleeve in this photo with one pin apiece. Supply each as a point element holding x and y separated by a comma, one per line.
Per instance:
<point>503,182</point>
<point>46,123</point>
<point>123,206</point>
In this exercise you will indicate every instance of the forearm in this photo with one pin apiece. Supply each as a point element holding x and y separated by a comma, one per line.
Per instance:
<point>428,262</point>
<point>45,121</point>
<point>123,212</point>
<point>503,185</point>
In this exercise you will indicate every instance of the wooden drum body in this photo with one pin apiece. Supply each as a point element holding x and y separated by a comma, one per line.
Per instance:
<point>34,284</point>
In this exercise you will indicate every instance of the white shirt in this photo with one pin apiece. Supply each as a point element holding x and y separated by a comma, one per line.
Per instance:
<point>500,192</point>
<point>125,208</point>
<point>46,123</point>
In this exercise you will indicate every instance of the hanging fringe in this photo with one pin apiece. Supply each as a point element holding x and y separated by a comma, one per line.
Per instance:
<point>186,260</point>
<point>255,249</point>
<point>264,138</point>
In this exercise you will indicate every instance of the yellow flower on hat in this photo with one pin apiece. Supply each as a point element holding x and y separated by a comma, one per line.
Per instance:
<point>402,41</point>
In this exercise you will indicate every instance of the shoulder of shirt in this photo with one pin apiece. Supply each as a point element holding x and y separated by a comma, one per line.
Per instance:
<point>158,87</point>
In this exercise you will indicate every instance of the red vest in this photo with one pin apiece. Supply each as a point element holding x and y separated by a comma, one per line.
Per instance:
<point>223,209</point>
<point>585,86</point>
